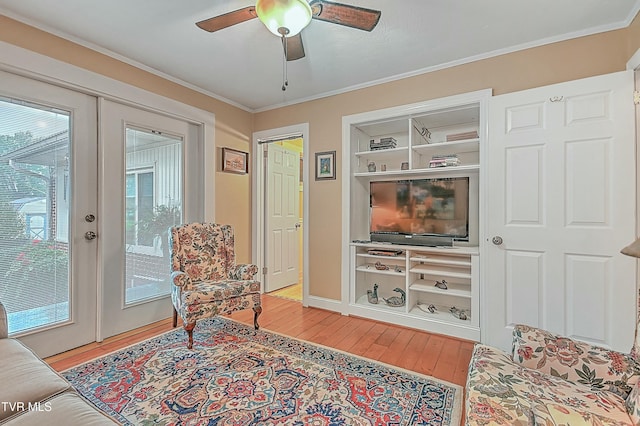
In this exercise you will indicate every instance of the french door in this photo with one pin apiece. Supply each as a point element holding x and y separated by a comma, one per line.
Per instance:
<point>48,204</point>
<point>147,159</point>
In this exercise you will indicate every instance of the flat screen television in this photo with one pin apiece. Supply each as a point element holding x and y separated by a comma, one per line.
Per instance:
<point>420,211</point>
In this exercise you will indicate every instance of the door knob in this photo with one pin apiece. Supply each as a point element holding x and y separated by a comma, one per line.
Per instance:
<point>298,226</point>
<point>90,235</point>
<point>497,240</point>
<point>89,218</point>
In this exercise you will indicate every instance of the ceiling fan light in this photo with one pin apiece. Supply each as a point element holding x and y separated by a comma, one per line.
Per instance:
<point>292,15</point>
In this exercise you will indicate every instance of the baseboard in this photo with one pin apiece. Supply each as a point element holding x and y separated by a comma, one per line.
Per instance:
<point>324,303</point>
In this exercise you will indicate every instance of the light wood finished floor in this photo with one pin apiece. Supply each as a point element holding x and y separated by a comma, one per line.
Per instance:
<point>293,292</point>
<point>439,356</point>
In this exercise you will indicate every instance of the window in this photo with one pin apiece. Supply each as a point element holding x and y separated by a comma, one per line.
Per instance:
<point>153,204</point>
<point>34,253</point>
<point>139,207</point>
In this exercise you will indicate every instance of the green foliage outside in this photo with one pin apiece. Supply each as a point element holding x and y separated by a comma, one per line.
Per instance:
<point>37,274</point>
<point>159,223</point>
<point>32,273</point>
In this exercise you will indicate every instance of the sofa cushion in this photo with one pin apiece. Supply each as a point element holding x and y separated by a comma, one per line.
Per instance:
<point>500,391</point>
<point>217,291</point>
<point>4,325</point>
<point>579,362</point>
<point>633,404</point>
<point>25,378</point>
<point>559,415</point>
<point>63,409</point>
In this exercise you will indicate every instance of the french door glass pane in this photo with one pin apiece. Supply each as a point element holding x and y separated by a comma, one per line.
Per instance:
<point>34,214</point>
<point>153,203</point>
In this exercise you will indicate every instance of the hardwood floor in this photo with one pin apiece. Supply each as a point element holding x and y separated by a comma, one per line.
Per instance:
<point>439,356</point>
<point>293,292</point>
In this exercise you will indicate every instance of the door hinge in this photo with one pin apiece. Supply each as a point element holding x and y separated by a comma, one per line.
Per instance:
<point>636,97</point>
<point>264,271</point>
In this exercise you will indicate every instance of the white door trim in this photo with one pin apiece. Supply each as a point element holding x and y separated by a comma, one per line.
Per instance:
<point>40,67</point>
<point>634,61</point>
<point>258,200</point>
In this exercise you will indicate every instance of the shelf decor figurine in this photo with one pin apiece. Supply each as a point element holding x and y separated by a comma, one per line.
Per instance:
<point>458,313</point>
<point>380,267</point>
<point>442,285</point>
<point>371,166</point>
<point>431,308</point>
<point>372,295</point>
<point>396,301</point>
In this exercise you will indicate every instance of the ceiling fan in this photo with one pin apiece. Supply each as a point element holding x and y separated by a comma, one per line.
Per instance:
<point>286,18</point>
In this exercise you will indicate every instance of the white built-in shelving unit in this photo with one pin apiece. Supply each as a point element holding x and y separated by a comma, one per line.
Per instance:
<point>421,131</point>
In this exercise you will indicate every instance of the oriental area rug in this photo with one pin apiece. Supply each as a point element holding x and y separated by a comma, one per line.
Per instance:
<point>236,375</point>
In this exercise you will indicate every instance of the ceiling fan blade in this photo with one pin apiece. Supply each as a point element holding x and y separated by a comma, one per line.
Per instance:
<point>228,19</point>
<point>294,48</point>
<point>343,14</point>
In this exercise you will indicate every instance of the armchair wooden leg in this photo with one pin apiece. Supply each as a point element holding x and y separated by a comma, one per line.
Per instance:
<point>256,313</point>
<point>175,317</point>
<point>189,329</point>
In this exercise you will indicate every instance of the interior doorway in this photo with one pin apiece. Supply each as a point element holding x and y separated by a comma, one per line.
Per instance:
<point>280,210</point>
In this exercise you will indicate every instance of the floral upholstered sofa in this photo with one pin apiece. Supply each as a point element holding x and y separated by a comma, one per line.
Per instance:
<point>552,380</point>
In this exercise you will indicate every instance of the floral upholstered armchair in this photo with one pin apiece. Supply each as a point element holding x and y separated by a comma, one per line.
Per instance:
<point>206,280</point>
<point>552,380</point>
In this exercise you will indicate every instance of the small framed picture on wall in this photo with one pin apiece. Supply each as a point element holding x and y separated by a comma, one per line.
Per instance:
<point>234,161</point>
<point>325,165</point>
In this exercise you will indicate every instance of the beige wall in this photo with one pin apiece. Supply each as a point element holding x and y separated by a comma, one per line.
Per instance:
<point>569,60</point>
<point>558,62</point>
<point>634,36</point>
<point>233,125</point>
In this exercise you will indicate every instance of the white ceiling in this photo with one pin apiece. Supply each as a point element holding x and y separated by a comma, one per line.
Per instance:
<point>243,64</point>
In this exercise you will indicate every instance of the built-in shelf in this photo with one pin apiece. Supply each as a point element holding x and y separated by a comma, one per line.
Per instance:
<point>440,273</point>
<point>400,152</point>
<point>437,261</point>
<point>381,305</point>
<point>372,269</point>
<point>379,256</point>
<point>453,289</point>
<point>441,314</point>
<point>467,144</point>
<point>422,171</point>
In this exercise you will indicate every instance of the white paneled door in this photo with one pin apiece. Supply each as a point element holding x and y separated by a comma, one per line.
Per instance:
<point>283,217</point>
<point>48,203</point>
<point>561,194</point>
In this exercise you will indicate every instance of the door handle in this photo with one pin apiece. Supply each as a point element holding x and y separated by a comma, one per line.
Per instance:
<point>90,235</point>
<point>497,240</point>
<point>298,226</point>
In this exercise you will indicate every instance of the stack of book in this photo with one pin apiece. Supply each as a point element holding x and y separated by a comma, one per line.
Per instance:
<point>383,143</point>
<point>444,161</point>
<point>462,136</point>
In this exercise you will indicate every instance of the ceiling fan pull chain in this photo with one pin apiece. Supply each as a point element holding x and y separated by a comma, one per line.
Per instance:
<point>285,80</point>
